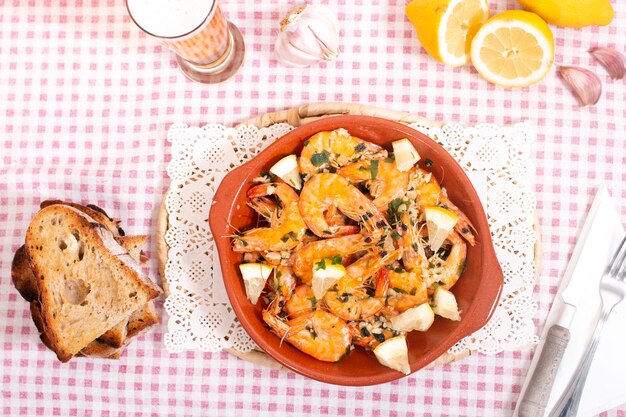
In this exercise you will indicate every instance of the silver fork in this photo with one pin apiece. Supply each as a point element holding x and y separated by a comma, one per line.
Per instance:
<point>612,292</point>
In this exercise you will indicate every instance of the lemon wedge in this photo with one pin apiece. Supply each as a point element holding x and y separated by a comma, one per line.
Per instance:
<point>326,272</point>
<point>394,354</point>
<point>513,49</point>
<point>439,222</point>
<point>445,28</point>
<point>416,318</point>
<point>287,170</point>
<point>254,277</point>
<point>444,304</point>
<point>405,153</point>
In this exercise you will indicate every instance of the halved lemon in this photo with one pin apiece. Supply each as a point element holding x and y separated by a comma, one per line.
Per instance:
<point>416,318</point>
<point>513,49</point>
<point>405,153</point>
<point>394,354</point>
<point>445,28</point>
<point>287,170</point>
<point>254,277</point>
<point>439,223</point>
<point>326,272</point>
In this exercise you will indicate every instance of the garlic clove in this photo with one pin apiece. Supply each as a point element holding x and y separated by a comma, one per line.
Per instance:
<point>584,84</point>
<point>290,56</point>
<point>612,60</point>
<point>309,34</point>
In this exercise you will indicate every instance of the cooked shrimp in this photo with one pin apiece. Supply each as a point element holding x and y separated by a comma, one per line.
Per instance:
<point>325,190</point>
<point>406,289</point>
<point>335,149</point>
<point>301,302</point>
<point>382,176</point>
<point>304,257</point>
<point>349,298</point>
<point>319,333</point>
<point>286,231</point>
<point>447,272</point>
<point>429,193</point>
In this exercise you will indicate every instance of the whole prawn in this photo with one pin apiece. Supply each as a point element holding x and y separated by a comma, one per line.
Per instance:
<point>334,149</point>
<point>320,334</point>
<point>349,298</point>
<point>304,257</point>
<point>447,272</point>
<point>286,231</point>
<point>429,193</point>
<point>323,191</point>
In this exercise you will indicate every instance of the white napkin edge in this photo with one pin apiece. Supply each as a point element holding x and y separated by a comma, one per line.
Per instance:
<point>599,394</point>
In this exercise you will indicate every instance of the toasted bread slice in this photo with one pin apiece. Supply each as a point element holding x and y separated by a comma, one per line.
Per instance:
<point>86,281</point>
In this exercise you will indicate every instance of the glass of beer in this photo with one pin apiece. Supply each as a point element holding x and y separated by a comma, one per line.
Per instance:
<point>209,49</point>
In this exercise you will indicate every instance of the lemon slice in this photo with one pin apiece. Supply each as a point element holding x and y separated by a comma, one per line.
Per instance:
<point>439,222</point>
<point>394,354</point>
<point>405,153</point>
<point>513,49</point>
<point>254,277</point>
<point>445,28</point>
<point>444,304</point>
<point>416,318</point>
<point>287,170</point>
<point>326,272</point>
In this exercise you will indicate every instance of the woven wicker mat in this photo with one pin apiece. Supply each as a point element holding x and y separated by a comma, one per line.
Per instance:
<point>298,116</point>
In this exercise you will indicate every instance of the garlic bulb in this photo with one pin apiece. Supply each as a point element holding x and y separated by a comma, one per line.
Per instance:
<point>308,34</point>
<point>584,84</point>
<point>612,60</point>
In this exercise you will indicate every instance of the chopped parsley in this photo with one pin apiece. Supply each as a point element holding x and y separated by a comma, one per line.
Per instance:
<point>393,207</point>
<point>374,169</point>
<point>313,301</point>
<point>336,259</point>
<point>360,147</point>
<point>319,159</point>
<point>395,235</point>
<point>320,265</point>
<point>289,236</point>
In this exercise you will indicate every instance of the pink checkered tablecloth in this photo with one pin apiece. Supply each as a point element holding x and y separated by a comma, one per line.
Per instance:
<point>85,103</point>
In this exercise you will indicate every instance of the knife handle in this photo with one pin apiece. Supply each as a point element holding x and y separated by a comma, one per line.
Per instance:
<point>535,399</point>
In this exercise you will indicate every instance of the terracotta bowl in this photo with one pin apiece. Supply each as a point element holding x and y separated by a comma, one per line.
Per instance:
<point>477,292</point>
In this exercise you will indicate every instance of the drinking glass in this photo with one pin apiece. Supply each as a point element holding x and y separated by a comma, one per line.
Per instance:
<point>209,49</point>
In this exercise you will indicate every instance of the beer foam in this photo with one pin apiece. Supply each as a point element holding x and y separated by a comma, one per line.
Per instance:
<point>169,18</point>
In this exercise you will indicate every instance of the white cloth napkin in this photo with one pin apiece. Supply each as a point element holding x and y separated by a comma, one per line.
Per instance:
<point>606,383</point>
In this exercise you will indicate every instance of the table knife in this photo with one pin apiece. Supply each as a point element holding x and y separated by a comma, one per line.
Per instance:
<point>535,398</point>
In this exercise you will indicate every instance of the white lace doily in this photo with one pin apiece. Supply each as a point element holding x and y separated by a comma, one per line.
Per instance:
<point>200,316</point>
